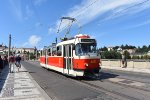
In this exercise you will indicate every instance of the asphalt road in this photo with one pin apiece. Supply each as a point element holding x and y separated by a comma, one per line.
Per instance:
<point>141,77</point>
<point>57,86</point>
<point>60,87</point>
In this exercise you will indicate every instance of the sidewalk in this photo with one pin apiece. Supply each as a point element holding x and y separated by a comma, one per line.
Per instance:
<point>140,70</point>
<point>20,86</point>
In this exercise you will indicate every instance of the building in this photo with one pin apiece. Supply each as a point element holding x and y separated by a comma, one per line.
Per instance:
<point>148,53</point>
<point>131,51</point>
<point>2,49</point>
<point>109,48</point>
<point>24,50</point>
<point>21,50</point>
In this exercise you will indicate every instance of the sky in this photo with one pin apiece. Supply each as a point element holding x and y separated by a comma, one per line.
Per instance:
<point>111,22</point>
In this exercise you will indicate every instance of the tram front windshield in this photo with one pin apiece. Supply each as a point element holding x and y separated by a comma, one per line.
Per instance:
<point>85,48</point>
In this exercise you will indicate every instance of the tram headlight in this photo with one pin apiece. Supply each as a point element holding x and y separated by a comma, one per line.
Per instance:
<point>86,64</point>
<point>99,64</point>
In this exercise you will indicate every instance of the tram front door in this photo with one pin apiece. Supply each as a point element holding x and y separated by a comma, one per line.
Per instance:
<point>67,59</point>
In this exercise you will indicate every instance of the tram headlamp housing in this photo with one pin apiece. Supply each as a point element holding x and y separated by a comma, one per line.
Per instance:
<point>86,64</point>
<point>99,64</point>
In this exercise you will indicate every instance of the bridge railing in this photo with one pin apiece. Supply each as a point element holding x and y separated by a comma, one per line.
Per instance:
<point>131,63</point>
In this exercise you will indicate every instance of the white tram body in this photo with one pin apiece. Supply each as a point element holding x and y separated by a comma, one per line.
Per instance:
<point>74,57</point>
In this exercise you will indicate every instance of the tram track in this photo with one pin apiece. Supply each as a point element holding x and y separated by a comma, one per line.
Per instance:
<point>125,85</point>
<point>98,88</point>
<point>92,86</point>
<point>101,89</point>
<point>144,88</point>
<point>110,91</point>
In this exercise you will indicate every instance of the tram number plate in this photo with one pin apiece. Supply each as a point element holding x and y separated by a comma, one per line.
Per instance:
<point>93,61</point>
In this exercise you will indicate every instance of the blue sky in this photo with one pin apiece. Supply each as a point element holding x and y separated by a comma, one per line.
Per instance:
<point>112,22</point>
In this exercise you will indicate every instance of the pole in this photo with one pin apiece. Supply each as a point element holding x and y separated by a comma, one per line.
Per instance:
<point>9,46</point>
<point>36,54</point>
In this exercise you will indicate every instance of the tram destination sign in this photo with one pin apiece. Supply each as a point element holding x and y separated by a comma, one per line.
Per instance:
<point>88,40</point>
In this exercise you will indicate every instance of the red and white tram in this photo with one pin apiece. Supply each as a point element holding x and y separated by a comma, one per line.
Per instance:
<point>75,57</point>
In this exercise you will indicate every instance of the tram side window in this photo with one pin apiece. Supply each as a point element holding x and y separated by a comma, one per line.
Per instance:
<point>41,53</point>
<point>49,52</point>
<point>44,53</point>
<point>59,51</point>
<point>53,51</point>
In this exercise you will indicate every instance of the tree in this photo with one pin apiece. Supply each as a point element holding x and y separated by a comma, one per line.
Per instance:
<point>149,47</point>
<point>146,57</point>
<point>104,49</point>
<point>110,55</point>
<point>145,48</point>
<point>127,54</point>
<point>32,56</point>
<point>122,46</point>
<point>135,57</point>
<point>116,47</point>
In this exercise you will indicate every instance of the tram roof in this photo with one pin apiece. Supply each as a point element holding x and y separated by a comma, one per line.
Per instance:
<point>72,41</point>
<point>77,40</point>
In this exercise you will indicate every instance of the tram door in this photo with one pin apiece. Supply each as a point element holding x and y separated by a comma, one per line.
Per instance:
<point>67,59</point>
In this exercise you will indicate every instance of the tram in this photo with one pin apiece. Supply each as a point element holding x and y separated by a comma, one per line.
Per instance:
<point>75,56</point>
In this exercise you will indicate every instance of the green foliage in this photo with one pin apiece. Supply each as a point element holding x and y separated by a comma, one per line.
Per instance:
<point>32,56</point>
<point>127,55</point>
<point>143,49</point>
<point>116,47</point>
<point>146,57</point>
<point>103,49</point>
<point>110,55</point>
<point>127,47</point>
<point>135,57</point>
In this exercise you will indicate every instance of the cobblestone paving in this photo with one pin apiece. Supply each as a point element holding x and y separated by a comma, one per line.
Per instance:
<point>19,86</point>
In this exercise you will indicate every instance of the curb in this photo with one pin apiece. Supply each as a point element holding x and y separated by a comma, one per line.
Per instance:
<point>44,94</point>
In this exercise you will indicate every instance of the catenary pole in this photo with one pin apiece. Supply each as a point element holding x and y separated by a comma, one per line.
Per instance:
<point>9,47</point>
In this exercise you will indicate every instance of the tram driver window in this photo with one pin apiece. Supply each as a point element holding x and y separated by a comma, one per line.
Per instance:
<point>78,49</point>
<point>59,51</point>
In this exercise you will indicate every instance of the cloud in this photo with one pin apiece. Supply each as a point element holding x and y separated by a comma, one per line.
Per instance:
<point>16,8</point>
<point>39,2</point>
<point>32,41</point>
<point>88,10</point>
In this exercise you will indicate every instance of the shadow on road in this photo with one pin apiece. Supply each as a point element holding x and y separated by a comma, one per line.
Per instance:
<point>102,76</point>
<point>3,76</point>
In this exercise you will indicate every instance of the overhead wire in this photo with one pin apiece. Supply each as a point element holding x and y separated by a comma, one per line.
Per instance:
<point>79,12</point>
<point>117,13</point>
